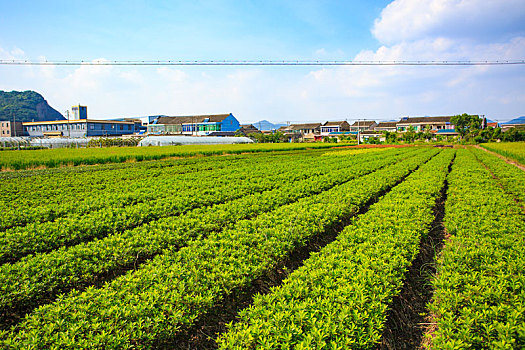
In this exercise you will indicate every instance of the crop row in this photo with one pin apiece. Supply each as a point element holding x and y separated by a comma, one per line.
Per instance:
<point>210,189</point>
<point>339,298</point>
<point>27,282</point>
<point>479,299</point>
<point>511,177</point>
<point>151,305</point>
<point>17,160</point>
<point>110,191</point>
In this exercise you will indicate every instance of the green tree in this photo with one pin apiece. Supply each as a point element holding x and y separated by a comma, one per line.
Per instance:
<point>514,134</point>
<point>465,123</point>
<point>390,137</point>
<point>409,135</point>
<point>426,134</point>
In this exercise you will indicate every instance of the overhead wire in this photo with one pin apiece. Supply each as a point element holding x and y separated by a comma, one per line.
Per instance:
<point>257,63</point>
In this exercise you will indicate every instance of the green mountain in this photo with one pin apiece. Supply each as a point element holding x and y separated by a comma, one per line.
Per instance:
<point>26,106</point>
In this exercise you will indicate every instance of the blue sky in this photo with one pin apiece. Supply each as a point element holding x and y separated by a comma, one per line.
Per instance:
<point>274,30</point>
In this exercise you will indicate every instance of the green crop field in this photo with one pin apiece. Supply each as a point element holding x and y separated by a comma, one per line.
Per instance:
<point>261,247</point>
<point>51,158</point>
<point>512,150</point>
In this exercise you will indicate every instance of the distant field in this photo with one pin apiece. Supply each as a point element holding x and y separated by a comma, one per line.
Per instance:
<point>513,150</point>
<point>51,158</point>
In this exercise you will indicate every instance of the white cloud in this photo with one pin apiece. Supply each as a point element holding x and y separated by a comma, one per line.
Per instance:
<point>14,54</point>
<point>17,52</point>
<point>405,20</point>
<point>89,76</point>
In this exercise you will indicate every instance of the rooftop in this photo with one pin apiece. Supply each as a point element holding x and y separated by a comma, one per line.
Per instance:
<point>415,120</point>
<point>386,125</point>
<point>192,119</point>
<point>338,123</point>
<point>364,123</point>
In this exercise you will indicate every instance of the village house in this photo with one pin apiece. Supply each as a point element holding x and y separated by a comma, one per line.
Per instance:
<point>200,125</point>
<point>386,126</point>
<point>419,124</point>
<point>362,125</point>
<point>334,127</point>
<point>247,129</point>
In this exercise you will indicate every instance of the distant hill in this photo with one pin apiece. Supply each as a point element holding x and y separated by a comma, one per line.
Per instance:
<point>519,120</point>
<point>26,106</point>
<point>264,125</point>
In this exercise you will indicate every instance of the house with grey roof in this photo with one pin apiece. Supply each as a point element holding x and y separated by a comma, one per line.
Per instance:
<point>306,128</point>
<point>438,125</point>
<point>199,125</point>
<point>247,129</point>
<point>386,126</point>
<point>362,125</point>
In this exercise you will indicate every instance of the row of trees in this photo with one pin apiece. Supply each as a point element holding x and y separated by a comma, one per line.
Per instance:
<point>469,129</point>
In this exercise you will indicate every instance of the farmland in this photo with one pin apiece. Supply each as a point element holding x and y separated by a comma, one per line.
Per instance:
<point>242,247</point>
<point>512,150</point>
<point>52,158</point>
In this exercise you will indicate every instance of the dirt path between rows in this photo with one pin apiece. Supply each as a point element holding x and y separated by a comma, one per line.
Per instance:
<point>508,160</point>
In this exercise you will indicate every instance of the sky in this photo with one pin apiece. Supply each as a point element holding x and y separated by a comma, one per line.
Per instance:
<point>269,30</point>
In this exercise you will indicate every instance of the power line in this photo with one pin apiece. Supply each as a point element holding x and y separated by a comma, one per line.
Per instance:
<point>259,63</point>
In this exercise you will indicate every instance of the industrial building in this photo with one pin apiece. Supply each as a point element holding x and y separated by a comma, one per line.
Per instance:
<point>80,126</point>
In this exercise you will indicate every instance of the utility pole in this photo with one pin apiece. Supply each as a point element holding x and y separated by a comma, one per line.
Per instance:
<point>68,130</point>
<point>14,125</point>
<point>358,132</point>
